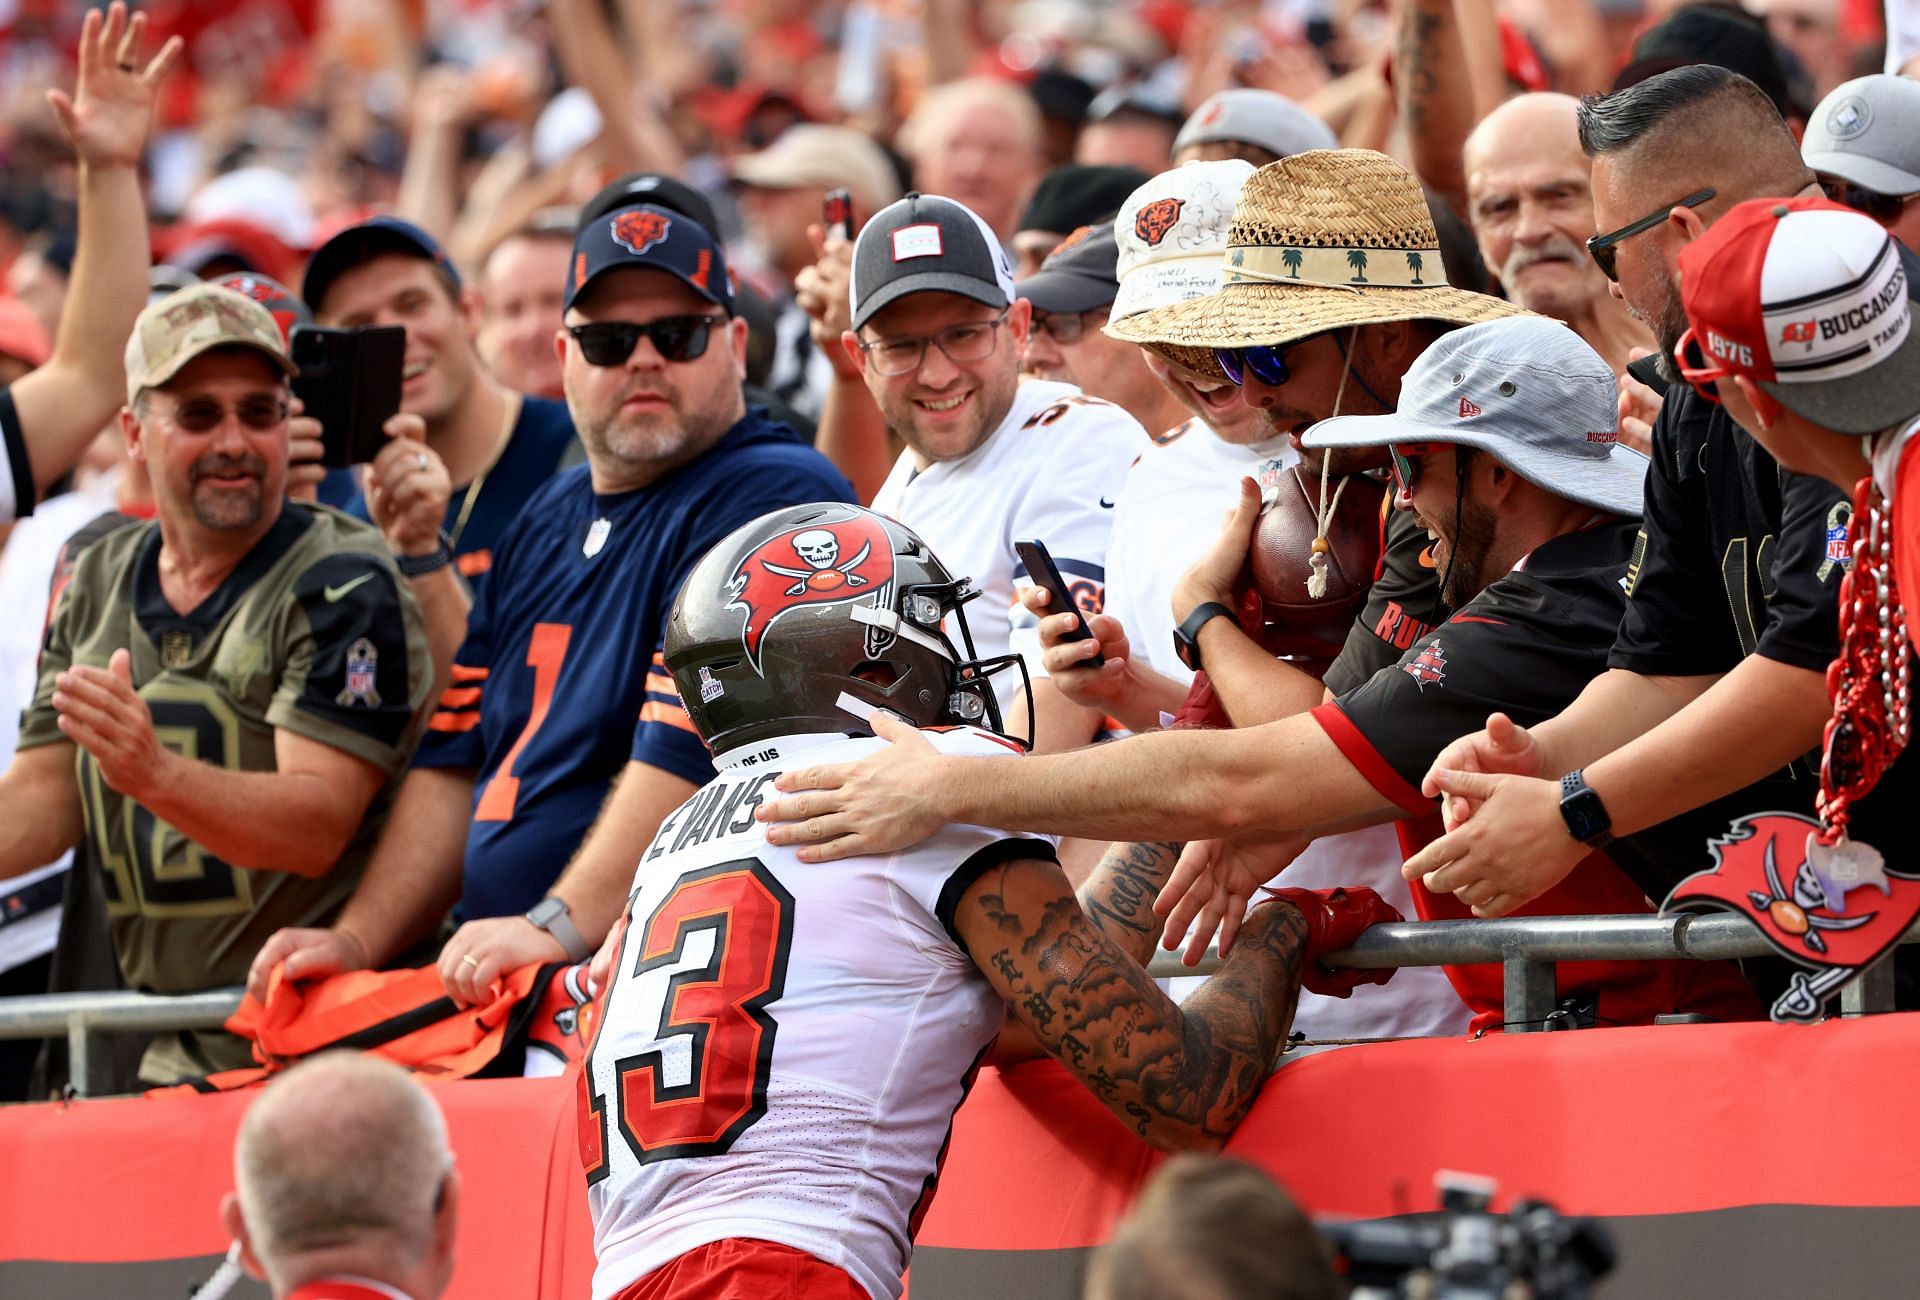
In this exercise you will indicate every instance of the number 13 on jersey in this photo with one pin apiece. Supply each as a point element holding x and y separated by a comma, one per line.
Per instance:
<point>687,1013</point>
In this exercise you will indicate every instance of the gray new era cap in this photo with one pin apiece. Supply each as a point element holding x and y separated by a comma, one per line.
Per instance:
<point>1526,390</point>
<point>1261,117</point>
<point>927,244</point>
<point>1867,131</point>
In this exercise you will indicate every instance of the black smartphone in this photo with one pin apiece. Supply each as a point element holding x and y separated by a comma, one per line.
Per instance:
<point>349,380</point>
<point>1045,573</point>
<point>836,212</point>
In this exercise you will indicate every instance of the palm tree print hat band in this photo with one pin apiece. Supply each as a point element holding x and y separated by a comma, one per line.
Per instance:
<point>1320,241</point>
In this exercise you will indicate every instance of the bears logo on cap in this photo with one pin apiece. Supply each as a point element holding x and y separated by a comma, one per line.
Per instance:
<point>638,230</point>
<point>820,563</point>
<point>1079,236</point>
<point>1155,219</point>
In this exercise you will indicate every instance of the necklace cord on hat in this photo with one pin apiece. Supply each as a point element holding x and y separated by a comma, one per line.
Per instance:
<point>1869,681</point>
<point>1318,562</point>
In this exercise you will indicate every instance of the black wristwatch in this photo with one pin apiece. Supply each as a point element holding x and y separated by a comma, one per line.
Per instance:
<point>1585,815</point>
<point>1186,642</point>
<point>555,917</point>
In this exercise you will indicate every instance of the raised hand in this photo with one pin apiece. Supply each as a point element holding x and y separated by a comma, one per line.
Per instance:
<point>1214,574</point>
<point>109,116</point>
<point>1515,848</point>
<point>1212,884</point>
<point>1503,746</point>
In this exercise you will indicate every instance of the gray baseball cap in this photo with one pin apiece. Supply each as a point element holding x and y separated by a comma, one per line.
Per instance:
<point>1867,132</point>
<point>1078,275</point>
<point>1526,390</point>
<point>1261,117</point>
<point>927,244</point>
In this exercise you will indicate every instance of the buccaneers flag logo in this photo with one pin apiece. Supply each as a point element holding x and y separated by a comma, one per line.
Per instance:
<point>1834,909</point>
<point>640,230</point>
<point>1799,331</point>
<point>1155,219</point>
<point>823,561</point>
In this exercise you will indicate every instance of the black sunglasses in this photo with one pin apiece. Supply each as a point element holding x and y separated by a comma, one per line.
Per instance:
<point>1601,247</point>
<point>675,338</point>
<point>1883,208</point>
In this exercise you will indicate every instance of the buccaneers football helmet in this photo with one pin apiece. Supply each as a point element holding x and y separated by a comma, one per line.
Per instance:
<point>811,617</point>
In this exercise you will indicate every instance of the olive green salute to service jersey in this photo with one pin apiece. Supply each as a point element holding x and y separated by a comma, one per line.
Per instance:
<point>315,632</point>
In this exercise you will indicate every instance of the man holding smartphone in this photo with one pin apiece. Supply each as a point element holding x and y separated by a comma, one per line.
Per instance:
<point>562,741</point>
<point>497,446</point>
<point>226,692</point>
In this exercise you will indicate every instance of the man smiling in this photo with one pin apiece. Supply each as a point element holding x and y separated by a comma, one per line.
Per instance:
<point>938,334</point>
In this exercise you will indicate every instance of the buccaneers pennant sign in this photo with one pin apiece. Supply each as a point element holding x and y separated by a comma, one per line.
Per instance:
<point>824,561</point>
<point>1836,910</point>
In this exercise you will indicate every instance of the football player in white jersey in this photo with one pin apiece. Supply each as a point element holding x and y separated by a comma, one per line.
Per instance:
<point>782,1047</point>
<point>938,334</point>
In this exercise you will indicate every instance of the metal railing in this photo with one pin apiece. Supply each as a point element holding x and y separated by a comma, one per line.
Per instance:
<point>1527,948</point>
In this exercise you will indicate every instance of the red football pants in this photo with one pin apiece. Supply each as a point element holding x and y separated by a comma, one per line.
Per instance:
<point>742,1268</point>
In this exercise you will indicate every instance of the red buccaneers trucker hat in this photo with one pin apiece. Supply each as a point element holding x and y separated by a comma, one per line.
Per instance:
<point>1809,300</point>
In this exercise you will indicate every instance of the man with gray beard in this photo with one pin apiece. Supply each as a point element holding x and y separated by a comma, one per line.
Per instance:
<point>1530,198</point>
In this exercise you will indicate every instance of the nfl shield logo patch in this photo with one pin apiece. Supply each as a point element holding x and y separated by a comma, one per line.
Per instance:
<point>362,662</point>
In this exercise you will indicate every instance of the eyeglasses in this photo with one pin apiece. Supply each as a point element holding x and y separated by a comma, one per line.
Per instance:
<point>1268,364</point>
<point>1883,208</point>
<point>1405,470</point>
<point>1601,247</point>
<point>967,342</point>
<point>1698,368</point>
<point>1066,326</point>
<point>203,415</point>
<point>675,338</point>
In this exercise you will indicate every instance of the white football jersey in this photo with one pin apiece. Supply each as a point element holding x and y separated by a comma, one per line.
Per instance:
<point>1050,472</point>
<point>783,1045</point>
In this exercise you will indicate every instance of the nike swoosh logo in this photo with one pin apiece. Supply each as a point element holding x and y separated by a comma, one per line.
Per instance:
<point>1105,504</point>
<point>335,593</point>
<point>1426,558</point>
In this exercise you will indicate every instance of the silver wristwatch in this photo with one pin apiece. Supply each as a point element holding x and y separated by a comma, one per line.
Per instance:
<point>553,915</point>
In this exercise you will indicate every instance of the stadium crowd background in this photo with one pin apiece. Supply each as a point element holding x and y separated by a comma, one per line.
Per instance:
<point>488,127</point>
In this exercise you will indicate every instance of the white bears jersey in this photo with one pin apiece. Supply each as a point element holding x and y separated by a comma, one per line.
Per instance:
<point>784,1044</point>
<point>1051,471</point>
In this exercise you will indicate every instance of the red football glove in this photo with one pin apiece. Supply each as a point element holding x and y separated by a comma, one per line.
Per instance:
<point>1335,918</point>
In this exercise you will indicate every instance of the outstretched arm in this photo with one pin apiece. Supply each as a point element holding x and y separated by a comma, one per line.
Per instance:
<point>1180,1077</point>
<point>64,404</point>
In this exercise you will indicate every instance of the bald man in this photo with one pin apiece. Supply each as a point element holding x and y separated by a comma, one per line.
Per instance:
<point>1530,198</point>
<point>979,142</point>
<point>347,1190</point>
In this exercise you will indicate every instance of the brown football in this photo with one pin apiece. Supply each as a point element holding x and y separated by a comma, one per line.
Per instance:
<point>1283,547</point>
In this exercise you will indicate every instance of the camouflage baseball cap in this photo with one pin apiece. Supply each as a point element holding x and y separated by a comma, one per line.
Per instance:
<point>193,320</point>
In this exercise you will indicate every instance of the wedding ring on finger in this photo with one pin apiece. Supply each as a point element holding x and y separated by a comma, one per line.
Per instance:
<point>470,960</point>
<point>420,460</point>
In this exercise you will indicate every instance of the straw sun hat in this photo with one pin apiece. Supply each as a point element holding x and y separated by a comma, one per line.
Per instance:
<point>1319,241</point>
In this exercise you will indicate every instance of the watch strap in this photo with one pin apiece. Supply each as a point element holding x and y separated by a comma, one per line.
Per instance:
<point>553,915</point>
<point>414,566</point>
<point>1186,638</point>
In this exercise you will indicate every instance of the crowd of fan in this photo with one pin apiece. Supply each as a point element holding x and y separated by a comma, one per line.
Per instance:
<point>268,733</point>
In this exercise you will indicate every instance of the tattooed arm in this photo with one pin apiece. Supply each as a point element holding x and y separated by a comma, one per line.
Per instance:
<point>1118,896</point>
<point>1180,1077</point>
<point>1433,83</point>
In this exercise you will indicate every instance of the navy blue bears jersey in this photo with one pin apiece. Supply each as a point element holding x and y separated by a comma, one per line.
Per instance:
<point>559,682</point>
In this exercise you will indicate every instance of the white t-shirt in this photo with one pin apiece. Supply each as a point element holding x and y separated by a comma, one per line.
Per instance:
<point>1051,472</point>
<point>1167,516</point>
<point>784,1045</point>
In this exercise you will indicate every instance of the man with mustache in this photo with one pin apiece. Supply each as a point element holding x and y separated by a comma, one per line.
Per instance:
<point>1530,198</point>
<point>242,679</point>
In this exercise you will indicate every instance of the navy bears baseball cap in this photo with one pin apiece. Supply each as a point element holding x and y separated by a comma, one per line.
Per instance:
<point>927,244</point>
<point>645,236</point>
<point>371,238</point>
<point>657,188</point>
